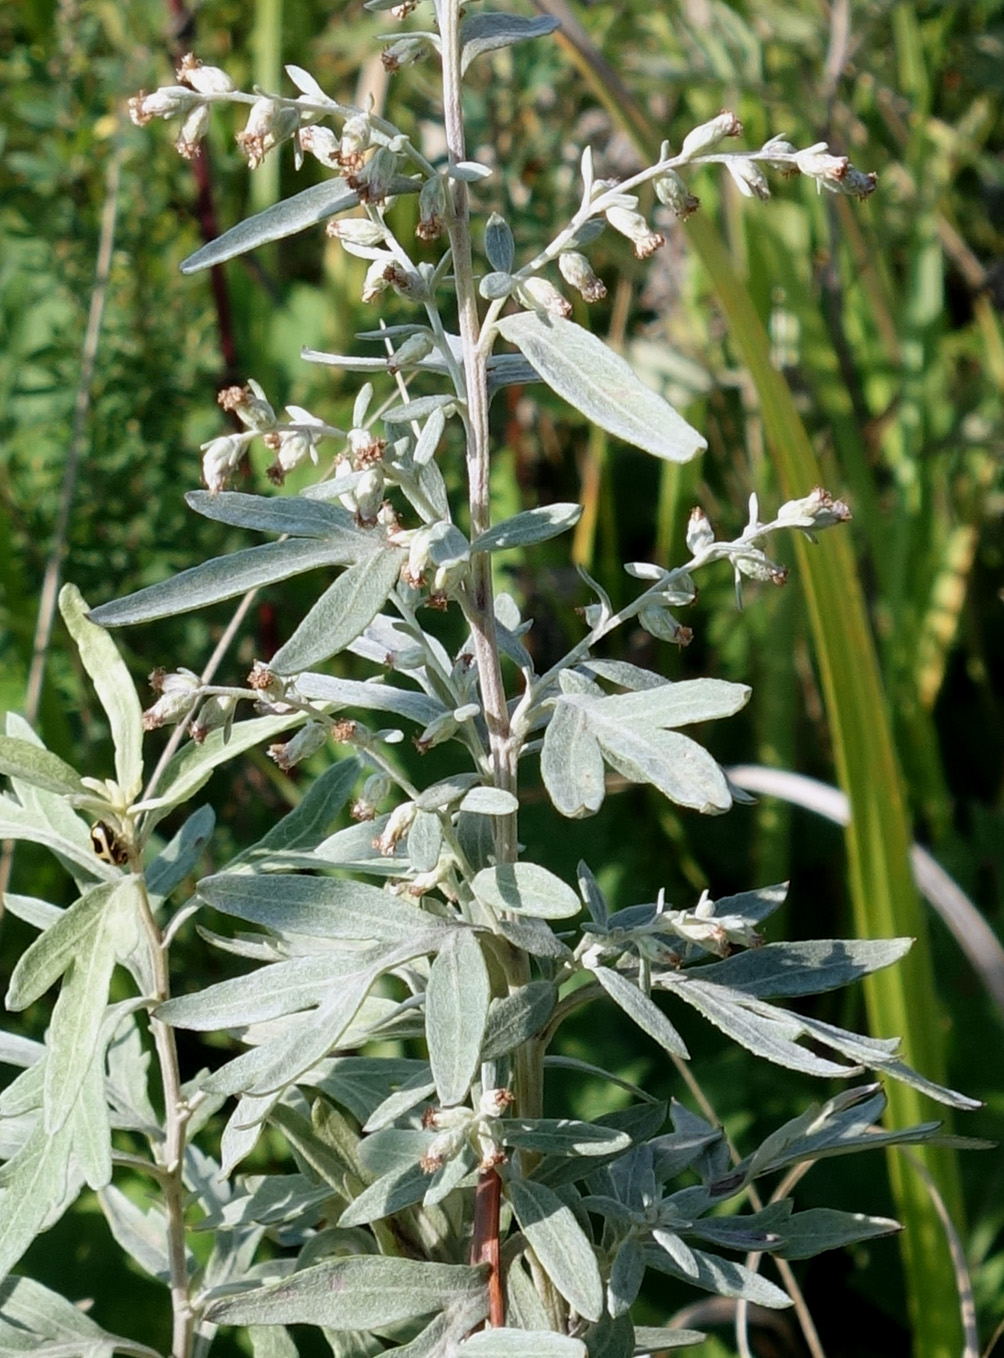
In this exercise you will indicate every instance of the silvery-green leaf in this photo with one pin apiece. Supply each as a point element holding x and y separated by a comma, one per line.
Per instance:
<point>291,514</point>
<point>534,937</point>
<point>677,766</point>
<point>373,696</point>
<point>447,791</point>
<point>428,439</point>
<point>360,1083</point>
<point>562,1136</point>
<point>560,1244</point>
<point>425,841</point>
<point>589,890</point>
<point>487,31</point>
<point>419,409</point>
<point>526,889</point>
<point>348,605</point>
<point>268,993</point>
<point>76,1025</point>
<point>226,576</point>
<point>392,1192</point>
<point>763,1029</point>
<point>613,1337</point>
<point>651,1339</point>
<point>626,1274</point>
<point>142,1234</point>
<point>721,1276</point>
<point>515,1017</point>
<point>38,766</point>
<point>672,705</point>
<point>47,1321</point>
<point>415,1090</point>
<point>16,1050</point>
<point>354,1293</point>
<point>756,905</point>
<point>307,85</point>
<point>495,285</point>
<point>92,1131</point>
<point>500,247</point>
<point>324,907</point>
<point>601,385</point>
<point>509,370</point>
<point>243,1128</point>
<point>530,526</point>
<point>626,675</point>
<point>190,768</point>
<point>489,801</point>
<point>313,1150</point>
<point>114,687</point>
<point>271,1341</point>
<point>35,1184</point>
<point>353,363</point>
<point>456,1007</point>
<point>644,1011</point>
<point>393,1149</point>
<point>509,1343</point>
<point>523,1304</point>
<point>42,964</point>
<point>678,1250</point>
<point>292,215</point>
<point>571,763</point>
<point>180,857</point>
<point>808,968</point>
<point>468,171</point>
<point>303,828</point>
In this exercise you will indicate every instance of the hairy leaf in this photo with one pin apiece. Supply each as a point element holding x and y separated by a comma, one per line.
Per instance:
<point>560,1244</point>
<point>526,889</point>
<point>345,608</point>
<point>38,766</point>
<point>292,514</point>
<point>485,32</point>
<point>292,215</point>
<point>529,527</point>
<point>644,1011</point>
<point>456,1007</point>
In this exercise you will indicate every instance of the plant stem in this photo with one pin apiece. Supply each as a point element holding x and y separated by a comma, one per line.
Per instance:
<point>172,1151</point>
<point>479,604</point>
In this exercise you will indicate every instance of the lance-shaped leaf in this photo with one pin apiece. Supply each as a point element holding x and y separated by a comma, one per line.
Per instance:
<point>37,1184</point>
<point>721,1276</point>
<point>226,576</point>
<point>644,1011</point>
<point>179,858</point>
<point>509,1343</point>
<point>601,385</point>
<point>526,889</point>
<point>653,1339</point>
<point>486,32</point>
<point>292,514</point>
<point>560,1244</point>
<point>571,763</point>
<point>324,907</point>
<point>679,704</point>
<point>626,1275</point>
<point>303,828</point>
<point>562,1136</point>
<point>305,209</point>
<point>515,1017</point>
<point>807,968</point>
<point>373,697</point>
<point>677,766</point>
<point>456,1007</point>
<point>345,608</point>
<point>392,1192</point>
<point>45,1321</point>
<point>38,766</point>
<point>41,965</point>
<point>359,1292</point>
<point>529,527</point>
<point>114,687</point>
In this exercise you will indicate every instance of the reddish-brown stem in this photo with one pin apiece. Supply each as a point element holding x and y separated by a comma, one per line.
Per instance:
<point>485,1245</point>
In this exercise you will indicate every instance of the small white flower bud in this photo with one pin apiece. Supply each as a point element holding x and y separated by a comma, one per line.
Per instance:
<point>404,52</point>
<point>634,226</point>
<point>673,193</point>
<point>432,201</point>
<point>412,351</point>
<point>357,231</point>
<point>374,180</point>
<point>250,406</point>
<point>577,271</point>
<point>538,294</point>
<point>660,623</point>
<point>817,510</point>
<point>176,691</point>
<point>786,154</point>
<point>749,179</point>
<point>709,134</point>
<point>193,132</point>
<point>215,712</point>
<point>756,565</point>
<point>369,496</point>
<point>268,124</point>
<point>376,281</point>
<point>220,459</point>
<point>700,534</point>
<point>399,822</point>
<point>205,79</point>
<point>322,144</point>
<point>307,741</point>
<point>357,136</point>
<point>375,789</point>
<point>364,448</point>
<point>167,102</point>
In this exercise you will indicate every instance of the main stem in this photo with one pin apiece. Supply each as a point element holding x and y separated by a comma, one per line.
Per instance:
<point>479,604</point>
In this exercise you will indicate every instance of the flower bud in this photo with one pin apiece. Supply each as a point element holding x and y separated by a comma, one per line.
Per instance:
<point>177,691</point>
<point>167,102</point>
<point>634,226</point>
<point>817,510</point>
<point>266,681</point>
<point>322,144</point>
<point>538,294</point>
<point>374,180</point>
<point>673,193</point>
<point>357,136</point>
<point>215,712</point>
<point>399,822</point>
<point>250,406</point>
<point>357,231</point>
<point>700,534</point>
<point>307,741</point>
<point>786,155</point>
<point>412,351</point>
<point>204,79</point>
<point>406,283</point>
<point>577,271</point>
<point>375,789</point>
<point>660,623</point>
<point>432,203</point>
<point>364,448</point>
<point>220,459</point>
<point>268,124</point>
<point>749,179</point>
<point>756,565</point>
<point>193,132</point>
<point>404,52</point>
<point>376,281</point>
<point>369,496</point>
<point>708,135</point>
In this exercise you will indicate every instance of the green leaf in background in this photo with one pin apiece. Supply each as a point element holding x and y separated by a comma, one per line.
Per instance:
<point>456,1007</point>
<point>601,385</point>
<point>113,685</point>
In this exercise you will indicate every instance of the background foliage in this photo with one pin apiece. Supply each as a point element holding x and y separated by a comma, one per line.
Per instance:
<point>885,319</point>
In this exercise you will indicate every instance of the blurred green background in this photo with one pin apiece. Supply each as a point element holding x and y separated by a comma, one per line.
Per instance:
<point>882,318</point>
